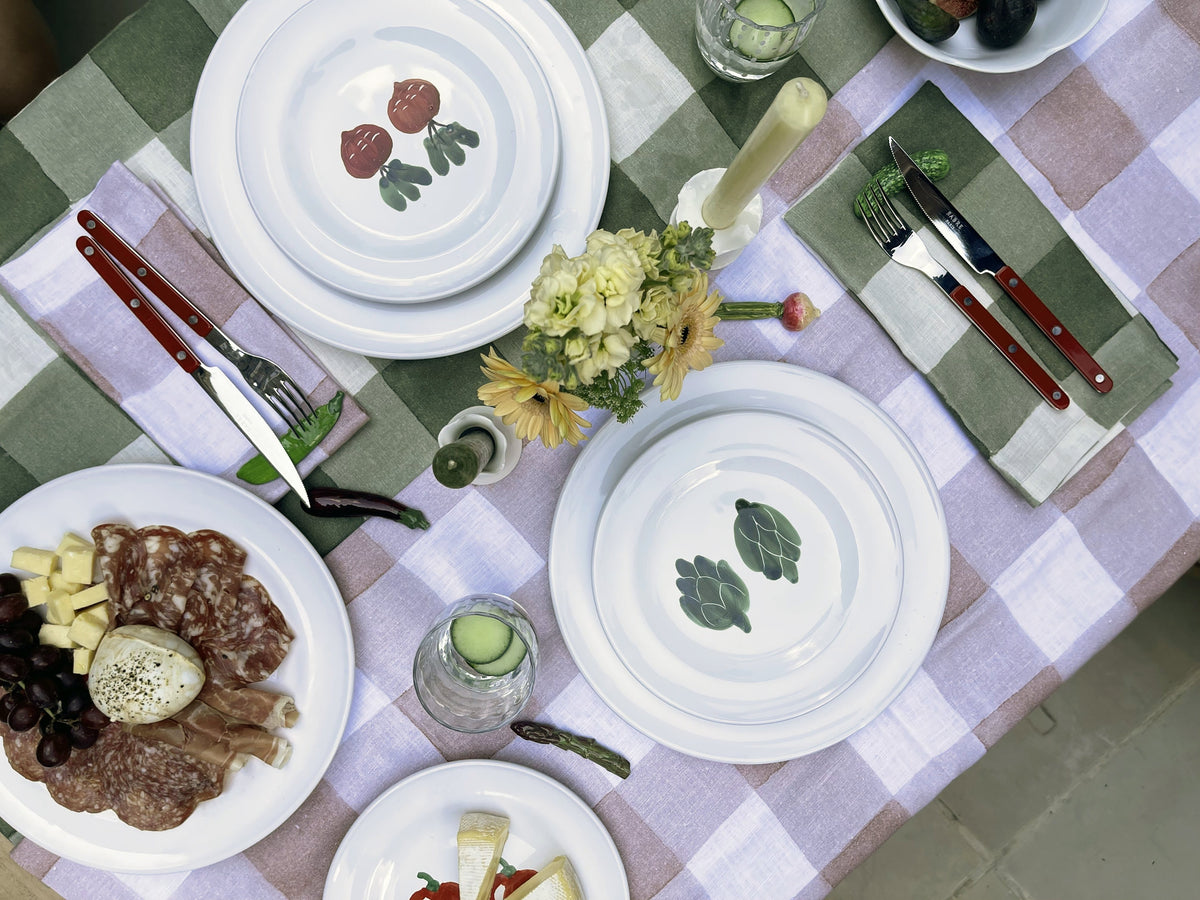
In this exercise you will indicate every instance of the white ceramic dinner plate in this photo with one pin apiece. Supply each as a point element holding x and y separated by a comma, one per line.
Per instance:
<point>335,105</point>
<point>871,579</point>
<point>1057,25</point>
<point>808,640</point>
<point>318,670</point>
<point>413,827</point>
<point>397,330</point>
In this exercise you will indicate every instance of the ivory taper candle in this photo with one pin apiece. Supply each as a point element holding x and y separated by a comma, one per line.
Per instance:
<point>791,117</point>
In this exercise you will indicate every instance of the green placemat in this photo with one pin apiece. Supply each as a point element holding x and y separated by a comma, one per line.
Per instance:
<point>1034,446</point>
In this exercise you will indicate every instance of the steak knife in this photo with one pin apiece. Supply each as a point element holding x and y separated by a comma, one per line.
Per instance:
<point>214,382</point>
<point>979,255</point>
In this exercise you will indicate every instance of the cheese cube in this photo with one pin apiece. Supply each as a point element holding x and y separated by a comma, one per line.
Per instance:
<point>31,559</point>
<point>36,589</point>
<point>81,660</point>
<point>77,564</point>
<point>72,540</point>
<point>59,610</point>
<point>60,582</point>
<point>56,636</point>
<point>89,627</point>
<point>90,596</point>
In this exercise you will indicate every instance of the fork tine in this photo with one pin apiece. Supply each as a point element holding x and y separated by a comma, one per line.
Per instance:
<point>295,416</point>
<point>298,397</point>
<point>890,214</point>
<point>285,412</point>
<point>869,220</point>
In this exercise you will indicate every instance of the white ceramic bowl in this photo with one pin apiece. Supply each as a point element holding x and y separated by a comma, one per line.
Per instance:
<point>1059,23</point>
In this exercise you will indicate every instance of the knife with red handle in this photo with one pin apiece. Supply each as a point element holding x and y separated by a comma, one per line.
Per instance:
<point>979,255</point>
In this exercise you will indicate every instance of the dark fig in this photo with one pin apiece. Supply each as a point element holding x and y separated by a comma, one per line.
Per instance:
<point>1001,23</point>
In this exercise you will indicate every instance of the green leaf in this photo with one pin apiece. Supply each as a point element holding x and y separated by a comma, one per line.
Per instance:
<point>453,152</point>
<point>406,172</point>
<point>391,195</point>
<point>437,159</point>
<point>464,136</point>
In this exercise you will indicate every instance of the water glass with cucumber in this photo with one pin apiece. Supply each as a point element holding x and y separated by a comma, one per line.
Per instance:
<point>744,40</point>
<point>475,667</point>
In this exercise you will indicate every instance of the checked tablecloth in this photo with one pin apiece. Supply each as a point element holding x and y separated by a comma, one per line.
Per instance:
<point>1102,133</point>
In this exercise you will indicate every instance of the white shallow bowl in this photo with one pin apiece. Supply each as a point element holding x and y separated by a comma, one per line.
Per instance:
<point>1058,24</point>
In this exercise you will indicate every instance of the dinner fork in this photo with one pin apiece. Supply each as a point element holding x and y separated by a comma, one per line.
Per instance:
<point>905,246</point>
<point>264,376</point>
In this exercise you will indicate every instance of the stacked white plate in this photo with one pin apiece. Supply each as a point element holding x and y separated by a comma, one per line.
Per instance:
<point>774,667</point>
<point>387,224</point>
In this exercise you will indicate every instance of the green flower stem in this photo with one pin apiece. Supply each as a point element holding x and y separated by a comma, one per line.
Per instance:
<point>749,309</point>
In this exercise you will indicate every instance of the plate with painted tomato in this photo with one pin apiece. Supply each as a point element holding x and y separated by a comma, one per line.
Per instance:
<point>398,153</point>
<point>404,845</point>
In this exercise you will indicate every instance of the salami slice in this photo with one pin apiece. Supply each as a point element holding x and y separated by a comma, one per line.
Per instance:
<point>153,786</point>
<point>78,784</point>
<point>21,748</point>
<point>169,563</point>
<point>213,594</point>
<point>119,555</point>
<point>248,643</point>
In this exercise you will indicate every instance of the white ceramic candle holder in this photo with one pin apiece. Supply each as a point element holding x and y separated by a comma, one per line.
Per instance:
<point>508,445</point>
<point>729,242</point>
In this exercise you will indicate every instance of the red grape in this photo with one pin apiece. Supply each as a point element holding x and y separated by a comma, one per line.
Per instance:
<point>11,607</point>
<point>93,718</point>
<point>42,691</point>
<point>82,737</point>
<point>13,668</point>
<point>9,583</point>
<point>18,639</point>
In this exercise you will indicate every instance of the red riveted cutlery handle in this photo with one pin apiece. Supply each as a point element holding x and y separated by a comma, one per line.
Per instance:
<point>1020,358</point>
<point>116,246</point>
<point>1014,285</point>
<point>137,304</point>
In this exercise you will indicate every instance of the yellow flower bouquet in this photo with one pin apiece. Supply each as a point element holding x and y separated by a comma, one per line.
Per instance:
<point>631,304</point>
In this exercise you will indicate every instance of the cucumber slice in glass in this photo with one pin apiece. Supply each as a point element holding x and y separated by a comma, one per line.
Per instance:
<point>506,663</point>
<point>481,639</point>
<point>755,42</point>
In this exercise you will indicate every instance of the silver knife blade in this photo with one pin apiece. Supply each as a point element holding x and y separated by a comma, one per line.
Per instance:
<point>252,424</point>
<point>949,222</point>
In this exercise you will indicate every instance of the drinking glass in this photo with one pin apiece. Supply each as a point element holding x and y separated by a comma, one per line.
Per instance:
<point>454,692</point>
<point>740,49</point>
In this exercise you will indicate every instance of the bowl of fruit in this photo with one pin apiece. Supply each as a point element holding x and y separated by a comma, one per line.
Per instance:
<point>991,35</point>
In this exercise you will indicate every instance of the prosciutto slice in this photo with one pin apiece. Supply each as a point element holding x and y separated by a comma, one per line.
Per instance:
<point>202,719</point>
<point>250,704</point>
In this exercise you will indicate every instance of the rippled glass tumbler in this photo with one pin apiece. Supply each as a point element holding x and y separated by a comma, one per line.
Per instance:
<point>468,696</point>
<point>745,40</point>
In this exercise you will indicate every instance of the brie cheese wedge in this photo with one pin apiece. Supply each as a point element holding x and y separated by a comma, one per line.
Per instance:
<point>481,837</point>
<point>554,881</point>
<point>142,674</point>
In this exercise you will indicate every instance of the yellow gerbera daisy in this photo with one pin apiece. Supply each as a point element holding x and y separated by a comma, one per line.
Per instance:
<point>687,338</point>
<point>535,409</point>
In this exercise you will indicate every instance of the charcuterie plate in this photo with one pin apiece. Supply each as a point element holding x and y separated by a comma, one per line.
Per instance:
<point>412,827</point>
<point>317,672</point>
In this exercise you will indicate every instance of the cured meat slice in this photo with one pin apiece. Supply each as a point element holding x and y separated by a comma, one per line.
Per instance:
<point>202,719</point>
<point>212,597</point>
<point>201,746</point>
<point>248,643</point>
<point>151,785</point>
<point>119,555</point>
<point>78,784</point>
<point>168,565</point>
<point>21,748</point>
<point>250,704</point>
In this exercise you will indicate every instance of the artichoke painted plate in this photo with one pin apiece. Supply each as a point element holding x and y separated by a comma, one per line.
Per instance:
<point>687,546</point>
<point>784,428</point>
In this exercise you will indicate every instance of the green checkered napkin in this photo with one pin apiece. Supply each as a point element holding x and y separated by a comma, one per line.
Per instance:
<point>1034,446</point>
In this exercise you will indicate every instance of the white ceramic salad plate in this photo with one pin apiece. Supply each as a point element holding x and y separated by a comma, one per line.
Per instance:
<point>397,330</point>
<point>824,654</point>
<point>413,826</point>
<point>397,157</point>
<point>318,671</point>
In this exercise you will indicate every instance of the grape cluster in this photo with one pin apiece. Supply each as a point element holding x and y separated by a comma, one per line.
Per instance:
<point>40,687</point>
